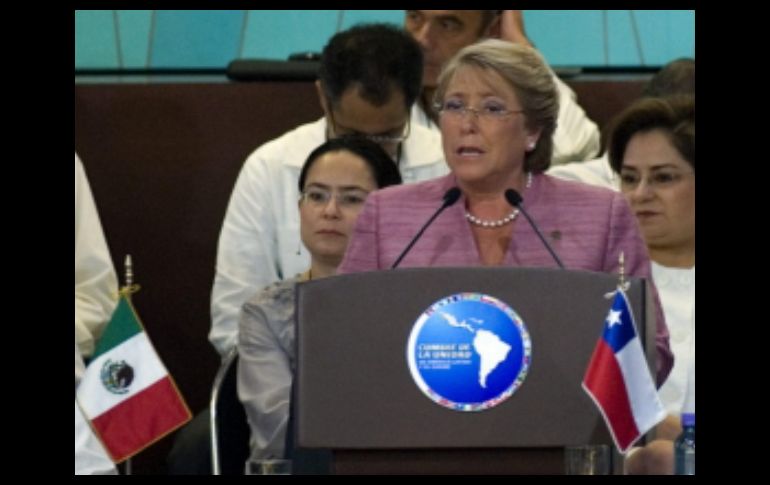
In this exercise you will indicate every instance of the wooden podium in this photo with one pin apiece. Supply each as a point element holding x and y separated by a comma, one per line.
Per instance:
<point>356,398</point>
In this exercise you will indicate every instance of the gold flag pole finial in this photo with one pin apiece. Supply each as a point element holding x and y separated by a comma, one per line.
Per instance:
<point>129,286</point>
<point>130,270</point>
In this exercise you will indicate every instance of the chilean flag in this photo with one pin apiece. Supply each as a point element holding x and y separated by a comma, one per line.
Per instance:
<point>619,381</point>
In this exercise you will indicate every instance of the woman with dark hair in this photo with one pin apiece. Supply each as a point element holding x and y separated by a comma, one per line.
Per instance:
<point>652,148</point>
<point>334,183</point>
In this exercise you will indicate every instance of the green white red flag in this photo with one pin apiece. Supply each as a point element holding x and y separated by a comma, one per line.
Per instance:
<point>126,392</point>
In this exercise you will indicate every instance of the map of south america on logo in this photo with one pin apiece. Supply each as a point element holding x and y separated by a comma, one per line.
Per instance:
<point>491,349</point>
<point>469,352</point>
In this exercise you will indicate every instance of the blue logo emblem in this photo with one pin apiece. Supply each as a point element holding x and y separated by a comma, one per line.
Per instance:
<point>469,352</point>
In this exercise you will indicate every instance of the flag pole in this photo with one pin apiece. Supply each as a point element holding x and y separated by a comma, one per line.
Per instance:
<point>623,284</point>
<point>146,411</point>
<point>128,269</point>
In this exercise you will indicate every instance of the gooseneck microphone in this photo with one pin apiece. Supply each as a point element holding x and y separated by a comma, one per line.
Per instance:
<point>515,199</point>
<point>450,197</point>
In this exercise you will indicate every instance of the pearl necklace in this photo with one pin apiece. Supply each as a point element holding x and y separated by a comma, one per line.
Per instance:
<point>500,222</point>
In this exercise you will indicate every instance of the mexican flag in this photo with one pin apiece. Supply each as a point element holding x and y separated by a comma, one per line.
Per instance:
<point>126,392</point>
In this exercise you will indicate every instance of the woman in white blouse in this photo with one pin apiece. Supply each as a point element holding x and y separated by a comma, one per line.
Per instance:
<point>652,148</point>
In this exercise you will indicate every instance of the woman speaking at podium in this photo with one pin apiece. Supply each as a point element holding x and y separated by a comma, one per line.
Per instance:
<point>497,106</point>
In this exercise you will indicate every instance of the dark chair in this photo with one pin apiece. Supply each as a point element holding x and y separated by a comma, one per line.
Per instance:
<point>230,430</point>
<point>191,451</point>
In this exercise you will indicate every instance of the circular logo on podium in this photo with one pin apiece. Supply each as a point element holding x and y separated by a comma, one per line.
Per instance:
<point>469,352</point>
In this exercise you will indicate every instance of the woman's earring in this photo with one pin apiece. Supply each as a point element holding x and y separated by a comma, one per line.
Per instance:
<point>299,248</point>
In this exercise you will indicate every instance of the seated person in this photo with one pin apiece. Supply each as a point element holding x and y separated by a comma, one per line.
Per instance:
<point>369,77</point>
<point>652,148</point>
<point>442,33</point>
<point>497,111</point>
<point>334,183</point>
<point>96,290</point>
<point>96,285</point>
<point>91,457</point>
<point>676,77</point>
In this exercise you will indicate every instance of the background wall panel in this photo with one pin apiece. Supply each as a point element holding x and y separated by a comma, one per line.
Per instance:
<point>134,36</point>
<point>195,38</point>
<point>212,38</point>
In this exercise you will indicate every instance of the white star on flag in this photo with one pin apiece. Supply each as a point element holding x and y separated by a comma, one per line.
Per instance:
<point>613,318</point>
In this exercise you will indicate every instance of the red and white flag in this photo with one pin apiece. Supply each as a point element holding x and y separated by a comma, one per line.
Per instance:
<point>619,381</point>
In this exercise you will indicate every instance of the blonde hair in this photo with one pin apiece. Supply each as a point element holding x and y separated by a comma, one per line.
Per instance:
<point>525,70</point>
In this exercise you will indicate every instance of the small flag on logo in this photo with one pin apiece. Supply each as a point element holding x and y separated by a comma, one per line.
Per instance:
<point>619,381</point>
<point>126,392</point>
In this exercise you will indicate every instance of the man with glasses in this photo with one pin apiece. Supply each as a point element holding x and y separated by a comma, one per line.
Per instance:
<point>391,142</point>
<point>442,33</point>
<point>369,78</point>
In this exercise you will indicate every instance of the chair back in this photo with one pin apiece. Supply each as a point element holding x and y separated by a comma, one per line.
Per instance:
<point>230,430</point>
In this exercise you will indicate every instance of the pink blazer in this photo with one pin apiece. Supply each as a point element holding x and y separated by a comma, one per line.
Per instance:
<point>587,227</point>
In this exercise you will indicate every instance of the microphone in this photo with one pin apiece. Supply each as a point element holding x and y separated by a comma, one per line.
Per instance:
<point>515,200</point>
<point>450,197</point>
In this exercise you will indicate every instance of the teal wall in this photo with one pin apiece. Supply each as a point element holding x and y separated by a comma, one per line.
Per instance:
<point>112,39</point>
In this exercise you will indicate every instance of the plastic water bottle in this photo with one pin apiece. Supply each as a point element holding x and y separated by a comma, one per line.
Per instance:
<point>684,447</point>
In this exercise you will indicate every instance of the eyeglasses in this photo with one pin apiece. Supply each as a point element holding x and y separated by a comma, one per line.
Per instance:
<point>385,139</point>
<point>347,199</point>
<point>661,179</point>
<point>490,110</point>
<point>381,139</point>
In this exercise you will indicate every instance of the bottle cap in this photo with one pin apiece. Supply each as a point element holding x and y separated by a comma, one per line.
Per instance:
<point>688,419</point>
